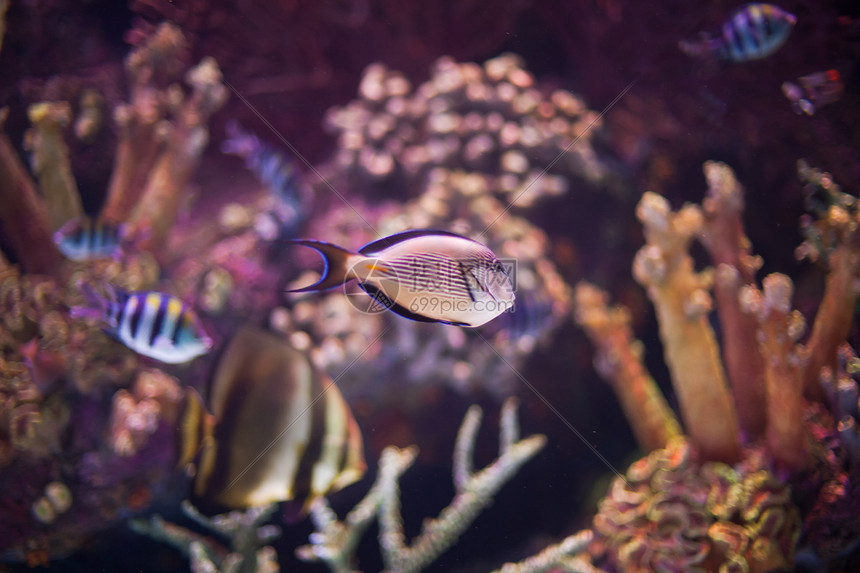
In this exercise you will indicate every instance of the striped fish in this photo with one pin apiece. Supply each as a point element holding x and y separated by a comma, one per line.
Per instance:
<point>423,274</point>
<point>151,323</point>
<point>281,177</point>
<point>279,430</point>
<point>81,239</point>
<point>751,32</point>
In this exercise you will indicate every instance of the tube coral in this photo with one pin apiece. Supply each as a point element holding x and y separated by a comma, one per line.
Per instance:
<point>682,507</point>
<point>682,302</point>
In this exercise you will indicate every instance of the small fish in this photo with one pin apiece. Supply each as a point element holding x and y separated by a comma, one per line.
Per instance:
<point>81,239</point>
<point>280,176</point>
<point>153,324</point>
<point>423,274</point>
<point>279,430</point>
<point>814,91</point>
<point>752,32</point>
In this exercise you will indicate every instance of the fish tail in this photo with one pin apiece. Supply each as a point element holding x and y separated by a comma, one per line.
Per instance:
<point>336,271</point>
<point>97,305</point>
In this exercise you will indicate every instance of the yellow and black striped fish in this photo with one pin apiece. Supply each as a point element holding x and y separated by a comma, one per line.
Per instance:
<point>279,430</point>
<point>151,323</point>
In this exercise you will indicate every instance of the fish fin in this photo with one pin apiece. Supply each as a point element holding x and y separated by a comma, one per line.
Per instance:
<point>68,228</point>
<point>195,428</point>
<point>97,305</point>
<point>335,272</point>
<point>386,301</point>
<point>380,245</point>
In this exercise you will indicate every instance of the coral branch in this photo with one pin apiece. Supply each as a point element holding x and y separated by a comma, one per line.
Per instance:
<point>23,213</point>
<point>335,541</point>
<point>835,238</point>
<point>242,528</point>
<point>554,555</point>
<point>474,493</point>
<point>834,317</point>
<point>778,327</point>
<point>155,213</point>
<point>681,300</point>
<point>50,161</point>
<point>141,131</point>
<point>618,359</point>
<point>723,235</point>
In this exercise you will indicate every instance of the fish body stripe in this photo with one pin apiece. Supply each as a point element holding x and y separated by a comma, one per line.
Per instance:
<point>754,31</point>
<point>125,331</point>
<point>175,310</point>
<point>156,325</point>
<point>280,428</point>
<point>431,275</point>
<point>83,239</point>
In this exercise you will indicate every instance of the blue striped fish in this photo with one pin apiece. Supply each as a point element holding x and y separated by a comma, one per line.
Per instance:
<point>151,323</point>
<point>82,239</point>
<point>751,32</point>
<point>423,274</point>
<point>280,176</point>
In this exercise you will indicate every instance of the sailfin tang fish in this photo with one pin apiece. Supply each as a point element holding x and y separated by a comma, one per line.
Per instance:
<point>752,32</point>
<point>151,323</point>
<point>279,429</point>
<point>423,274</point>
<point>82,239</point>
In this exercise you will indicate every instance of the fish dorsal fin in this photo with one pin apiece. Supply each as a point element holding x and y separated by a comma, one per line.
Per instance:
<point>380,245</point>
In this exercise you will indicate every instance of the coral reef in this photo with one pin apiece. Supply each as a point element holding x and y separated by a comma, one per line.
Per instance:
<point>78,448</point>
<point>418,146</point>
<point>491,119</point>
<point>335,541</point>
<point>299,59</point>
<point>737,492</point>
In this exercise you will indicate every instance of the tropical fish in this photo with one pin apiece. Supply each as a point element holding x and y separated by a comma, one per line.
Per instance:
<point>151,323</point>
<point>814,91</point>
<point>423,274</point>
<point>81,239</point>
<point>280,176</point>
<point>752,32</point>
<point>279,429</point>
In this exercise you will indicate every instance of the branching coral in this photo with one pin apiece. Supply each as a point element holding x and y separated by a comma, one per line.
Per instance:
<point>247,552</point>
<point>335,541</point>
<point>683,507</point>
<point>682,303</point>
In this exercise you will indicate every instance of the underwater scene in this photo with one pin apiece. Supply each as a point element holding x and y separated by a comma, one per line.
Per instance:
<point>449,286</point>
